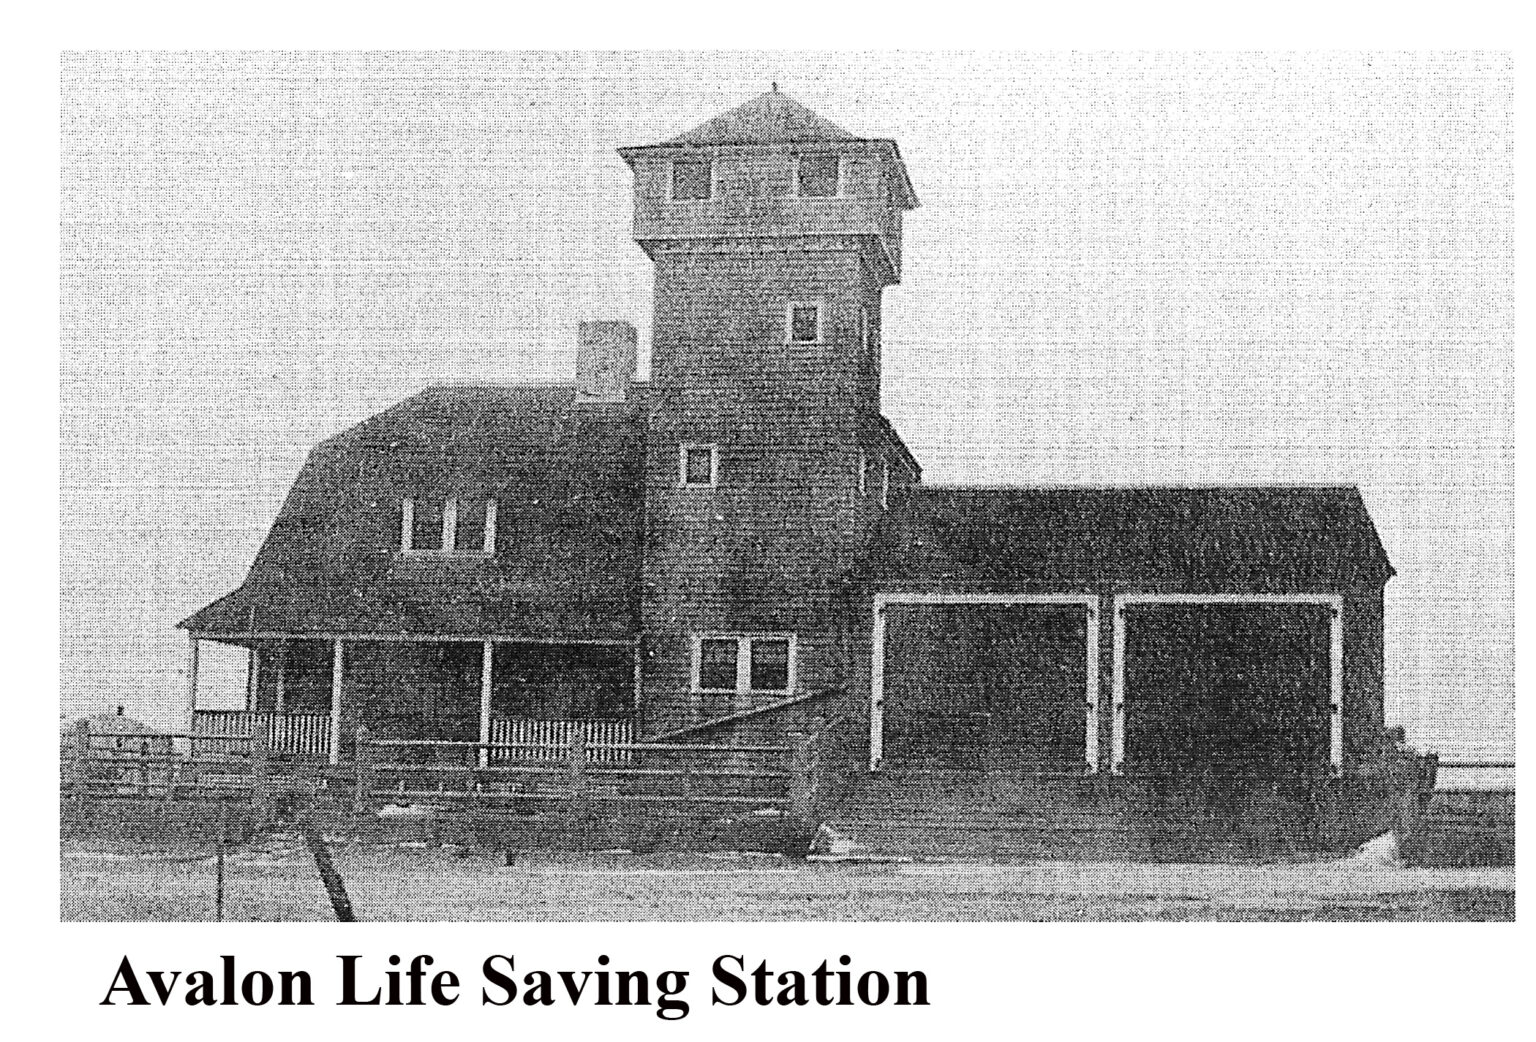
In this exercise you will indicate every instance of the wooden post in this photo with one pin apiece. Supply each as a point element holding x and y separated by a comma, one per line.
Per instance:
<point>336,675</point>
<point>341,904</point>
<point>576,773</point>
<point>252,677</point>
<point>81,773</point>
<point>487,659</point>
<point>802,776</point>
<point>192,648</point>
<point>281,678</point>
<point>261,774</point>
<point>362,756</point>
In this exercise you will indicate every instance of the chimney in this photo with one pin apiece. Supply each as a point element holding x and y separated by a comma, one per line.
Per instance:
<point>605,362</point>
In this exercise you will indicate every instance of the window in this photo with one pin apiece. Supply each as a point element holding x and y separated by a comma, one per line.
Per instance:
<point>804,320</point>
<point>698,466</point>
<point>449,526</point>
<point>717,664</point>
<point>744,663</point>
<point>770,664</point>
<point>692,178</point>
<point>816,176</point>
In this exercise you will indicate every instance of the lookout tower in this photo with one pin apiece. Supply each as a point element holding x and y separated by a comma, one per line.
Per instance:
<point>774,233</point>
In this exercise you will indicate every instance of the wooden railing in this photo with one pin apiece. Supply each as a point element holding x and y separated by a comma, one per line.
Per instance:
<point>303,735</point>
<point>547,741</point>
<point>169,766</point>
<point>405,771</point>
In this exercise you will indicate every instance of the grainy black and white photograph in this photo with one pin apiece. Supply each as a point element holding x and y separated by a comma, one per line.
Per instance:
<point>856,486</point>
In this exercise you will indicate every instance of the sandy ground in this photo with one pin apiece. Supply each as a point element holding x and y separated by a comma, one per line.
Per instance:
<point>276,881</point>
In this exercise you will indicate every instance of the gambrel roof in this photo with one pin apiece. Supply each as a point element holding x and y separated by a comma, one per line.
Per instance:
<point>567,483</point>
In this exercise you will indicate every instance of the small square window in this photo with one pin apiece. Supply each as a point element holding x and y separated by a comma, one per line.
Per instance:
<point>692,178</point>
<point>699,465</point>
<point>770,664</point>
<point>717,664</point>
<point>805,323</point>
<point>817,175</point>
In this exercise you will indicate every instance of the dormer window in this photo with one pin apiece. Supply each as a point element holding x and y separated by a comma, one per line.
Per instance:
<point>692,178</point>
<point>818,176</point>
<point>448,526</point>
<point>804,321</point>
<point>698,466</point>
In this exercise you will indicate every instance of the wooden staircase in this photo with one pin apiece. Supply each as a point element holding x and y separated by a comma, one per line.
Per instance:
<point>929,814</point>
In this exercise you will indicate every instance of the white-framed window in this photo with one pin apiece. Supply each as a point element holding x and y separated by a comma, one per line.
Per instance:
<point>803,322</point>
<point>693,178</point>
<point>448,526</point>
<point>698,465</point>
<point>863,464</point>
<point>744,663</point>
<point>818,175</point>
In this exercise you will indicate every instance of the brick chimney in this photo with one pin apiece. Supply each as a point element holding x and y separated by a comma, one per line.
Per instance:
<point>605,362</point>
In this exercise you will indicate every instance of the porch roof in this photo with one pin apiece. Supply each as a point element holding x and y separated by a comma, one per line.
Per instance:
<point>1248,538</point>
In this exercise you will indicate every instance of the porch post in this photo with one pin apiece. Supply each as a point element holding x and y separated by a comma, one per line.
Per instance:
<point>487,657</point>
<point>252,675</point>
<point>336,673</point>
<point>281,678</point>
<point>192,648</point>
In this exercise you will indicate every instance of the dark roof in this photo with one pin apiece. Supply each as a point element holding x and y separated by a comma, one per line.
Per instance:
<point>1195,539</point>
<point>566,478</point>
<point>769,118</point>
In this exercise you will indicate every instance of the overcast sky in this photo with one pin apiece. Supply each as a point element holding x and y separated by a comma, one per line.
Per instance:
<point>1126,269</point>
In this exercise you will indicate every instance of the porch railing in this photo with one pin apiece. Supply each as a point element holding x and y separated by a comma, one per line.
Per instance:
<point>546,741</point>
<point>305,735</point>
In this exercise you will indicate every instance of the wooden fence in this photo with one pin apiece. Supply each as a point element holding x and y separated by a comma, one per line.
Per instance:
<point>301,735</point>
<point>620,773</point>
<point>164,766</point>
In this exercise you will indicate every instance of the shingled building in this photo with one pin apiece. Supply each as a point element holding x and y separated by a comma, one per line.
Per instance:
<point>744,541</point>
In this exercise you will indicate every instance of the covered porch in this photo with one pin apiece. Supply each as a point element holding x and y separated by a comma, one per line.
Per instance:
<point>309,694</point>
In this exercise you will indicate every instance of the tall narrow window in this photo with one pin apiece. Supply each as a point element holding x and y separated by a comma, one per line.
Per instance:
<point>885,483</point>
<point>426,524</point>
<point>770,664</point>
<point>469,533</point>
<point>692,178</point>
<point>817,175</point>
<point>804,322</point>
<point>717,664</point>
<point>698,466</point>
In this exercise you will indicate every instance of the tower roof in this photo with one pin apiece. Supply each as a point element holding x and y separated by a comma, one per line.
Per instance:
<point>766,119</point>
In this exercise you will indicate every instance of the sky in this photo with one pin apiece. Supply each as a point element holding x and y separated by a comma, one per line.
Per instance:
<point>1127,269</point>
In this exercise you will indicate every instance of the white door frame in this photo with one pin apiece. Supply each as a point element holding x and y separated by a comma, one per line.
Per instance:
<point>1333,601</point>
<point>1088,601</point>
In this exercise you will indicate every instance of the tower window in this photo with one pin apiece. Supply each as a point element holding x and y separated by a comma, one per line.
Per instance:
<point>817,175</point>
<point>698,466</point>
<point>692,178</point>
<point>804,323</point>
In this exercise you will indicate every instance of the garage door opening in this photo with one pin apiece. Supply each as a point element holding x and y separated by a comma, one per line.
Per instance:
<point>987,686</point>
<point>1228,695</point>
